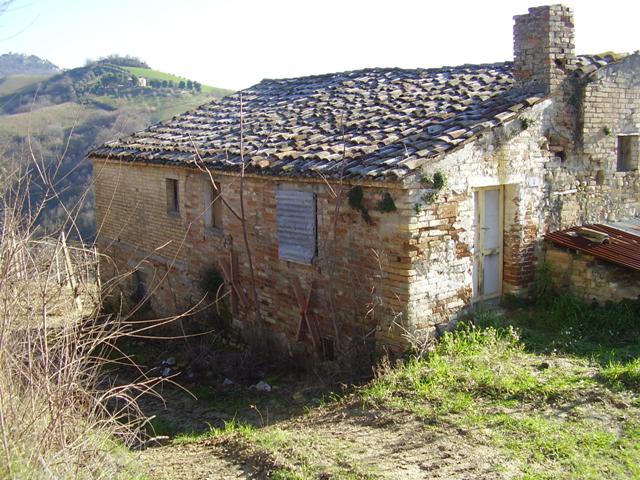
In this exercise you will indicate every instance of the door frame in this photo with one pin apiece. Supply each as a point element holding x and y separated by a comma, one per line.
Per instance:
<point>478,220</point>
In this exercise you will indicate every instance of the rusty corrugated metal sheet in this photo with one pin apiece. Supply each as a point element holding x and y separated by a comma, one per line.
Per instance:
<point>623,247</point>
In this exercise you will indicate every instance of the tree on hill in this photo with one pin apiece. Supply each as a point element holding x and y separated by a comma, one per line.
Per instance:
<point>123,61</point>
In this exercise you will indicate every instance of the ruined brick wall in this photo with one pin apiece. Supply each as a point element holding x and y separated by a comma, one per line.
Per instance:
<point>359,284</point>
<point>584,184</point>
<point>443,231</point>
<point>583,124</point>
<point>611,108</point>
<point>590,278</point>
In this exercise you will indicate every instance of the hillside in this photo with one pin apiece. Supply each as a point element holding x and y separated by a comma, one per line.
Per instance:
<point>14,83</point>
<point>58,118</point>
<point>100,83</point>
<point>20,64</point>
<point>176,81</point>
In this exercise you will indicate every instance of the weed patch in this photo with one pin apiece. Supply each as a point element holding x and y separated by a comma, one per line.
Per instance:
<point>470,365</point>
<point>550,448</point>
<point>621,375</point>
<point>545,409</point>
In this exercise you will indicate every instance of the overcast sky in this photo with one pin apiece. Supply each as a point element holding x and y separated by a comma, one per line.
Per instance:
<point>235,44</point>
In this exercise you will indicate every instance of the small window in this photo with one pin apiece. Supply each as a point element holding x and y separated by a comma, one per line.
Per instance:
<point>172,195</point>
<point>296,225</point>
<point>628,153</point>
<point>213,206</point>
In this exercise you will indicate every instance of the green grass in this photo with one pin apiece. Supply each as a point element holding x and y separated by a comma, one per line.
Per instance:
<point>539,383</point>
<point>621,375</point>
<point>549,449</point>
<point>109,458</point>
<point>475,365</point>
<point>233,426</point>
<point>157,75</point>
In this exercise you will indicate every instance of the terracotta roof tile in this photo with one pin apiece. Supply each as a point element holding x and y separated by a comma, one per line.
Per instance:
<point>387,121</point>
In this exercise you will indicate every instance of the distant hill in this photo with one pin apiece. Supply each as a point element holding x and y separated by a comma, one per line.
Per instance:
<point>20,64</point>
<point>59,118</point>
<point>102,80</point>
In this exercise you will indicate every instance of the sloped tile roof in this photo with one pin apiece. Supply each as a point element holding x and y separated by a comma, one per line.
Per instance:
<point>587,64</point>
<point>376,124</point>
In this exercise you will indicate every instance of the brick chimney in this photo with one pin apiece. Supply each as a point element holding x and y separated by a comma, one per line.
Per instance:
<point>543,47</point>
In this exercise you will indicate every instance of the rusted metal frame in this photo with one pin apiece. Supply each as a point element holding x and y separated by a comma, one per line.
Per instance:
<point>305,321</point>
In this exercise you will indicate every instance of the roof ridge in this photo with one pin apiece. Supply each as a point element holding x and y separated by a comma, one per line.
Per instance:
<point>383,69</point>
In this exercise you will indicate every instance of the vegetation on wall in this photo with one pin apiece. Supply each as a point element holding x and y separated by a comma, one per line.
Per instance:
<point>210,282</point>
<point>434,185</point>
<point>386,204</point>
<point>356,198</point>
<point>525,123</point>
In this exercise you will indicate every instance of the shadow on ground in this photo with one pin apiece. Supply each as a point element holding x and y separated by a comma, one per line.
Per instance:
<point>209,383</point>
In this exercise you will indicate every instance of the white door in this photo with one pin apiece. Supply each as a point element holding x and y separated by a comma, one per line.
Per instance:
<point>487,275</point>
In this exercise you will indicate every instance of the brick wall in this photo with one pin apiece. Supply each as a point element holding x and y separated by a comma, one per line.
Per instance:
<point>584,184</point>
<point>590,278</point>
<point>363,274</point>
<point>443,233</point>
<point>543,47</point>
<point>611,108</point>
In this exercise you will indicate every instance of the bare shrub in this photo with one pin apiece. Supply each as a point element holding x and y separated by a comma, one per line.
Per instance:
<point>59,418</point>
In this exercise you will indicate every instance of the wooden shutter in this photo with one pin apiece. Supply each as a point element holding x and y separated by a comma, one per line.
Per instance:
<point>296,225</point>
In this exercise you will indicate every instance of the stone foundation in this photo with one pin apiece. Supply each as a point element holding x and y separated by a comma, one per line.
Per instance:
<point>591,278</point>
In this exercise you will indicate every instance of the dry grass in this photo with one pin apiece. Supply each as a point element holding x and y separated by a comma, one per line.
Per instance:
<point>59,418</point>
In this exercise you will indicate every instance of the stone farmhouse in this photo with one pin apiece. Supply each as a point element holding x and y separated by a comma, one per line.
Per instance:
<point>376,203</point>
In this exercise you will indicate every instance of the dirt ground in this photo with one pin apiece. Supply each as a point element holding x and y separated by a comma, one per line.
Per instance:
<point>307,427</point>
<point>362,442</point>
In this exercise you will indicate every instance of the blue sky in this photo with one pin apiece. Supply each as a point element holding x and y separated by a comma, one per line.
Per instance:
<point>235,44</point>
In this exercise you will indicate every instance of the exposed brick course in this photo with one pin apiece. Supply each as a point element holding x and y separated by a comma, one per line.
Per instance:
<point>354,267</point>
